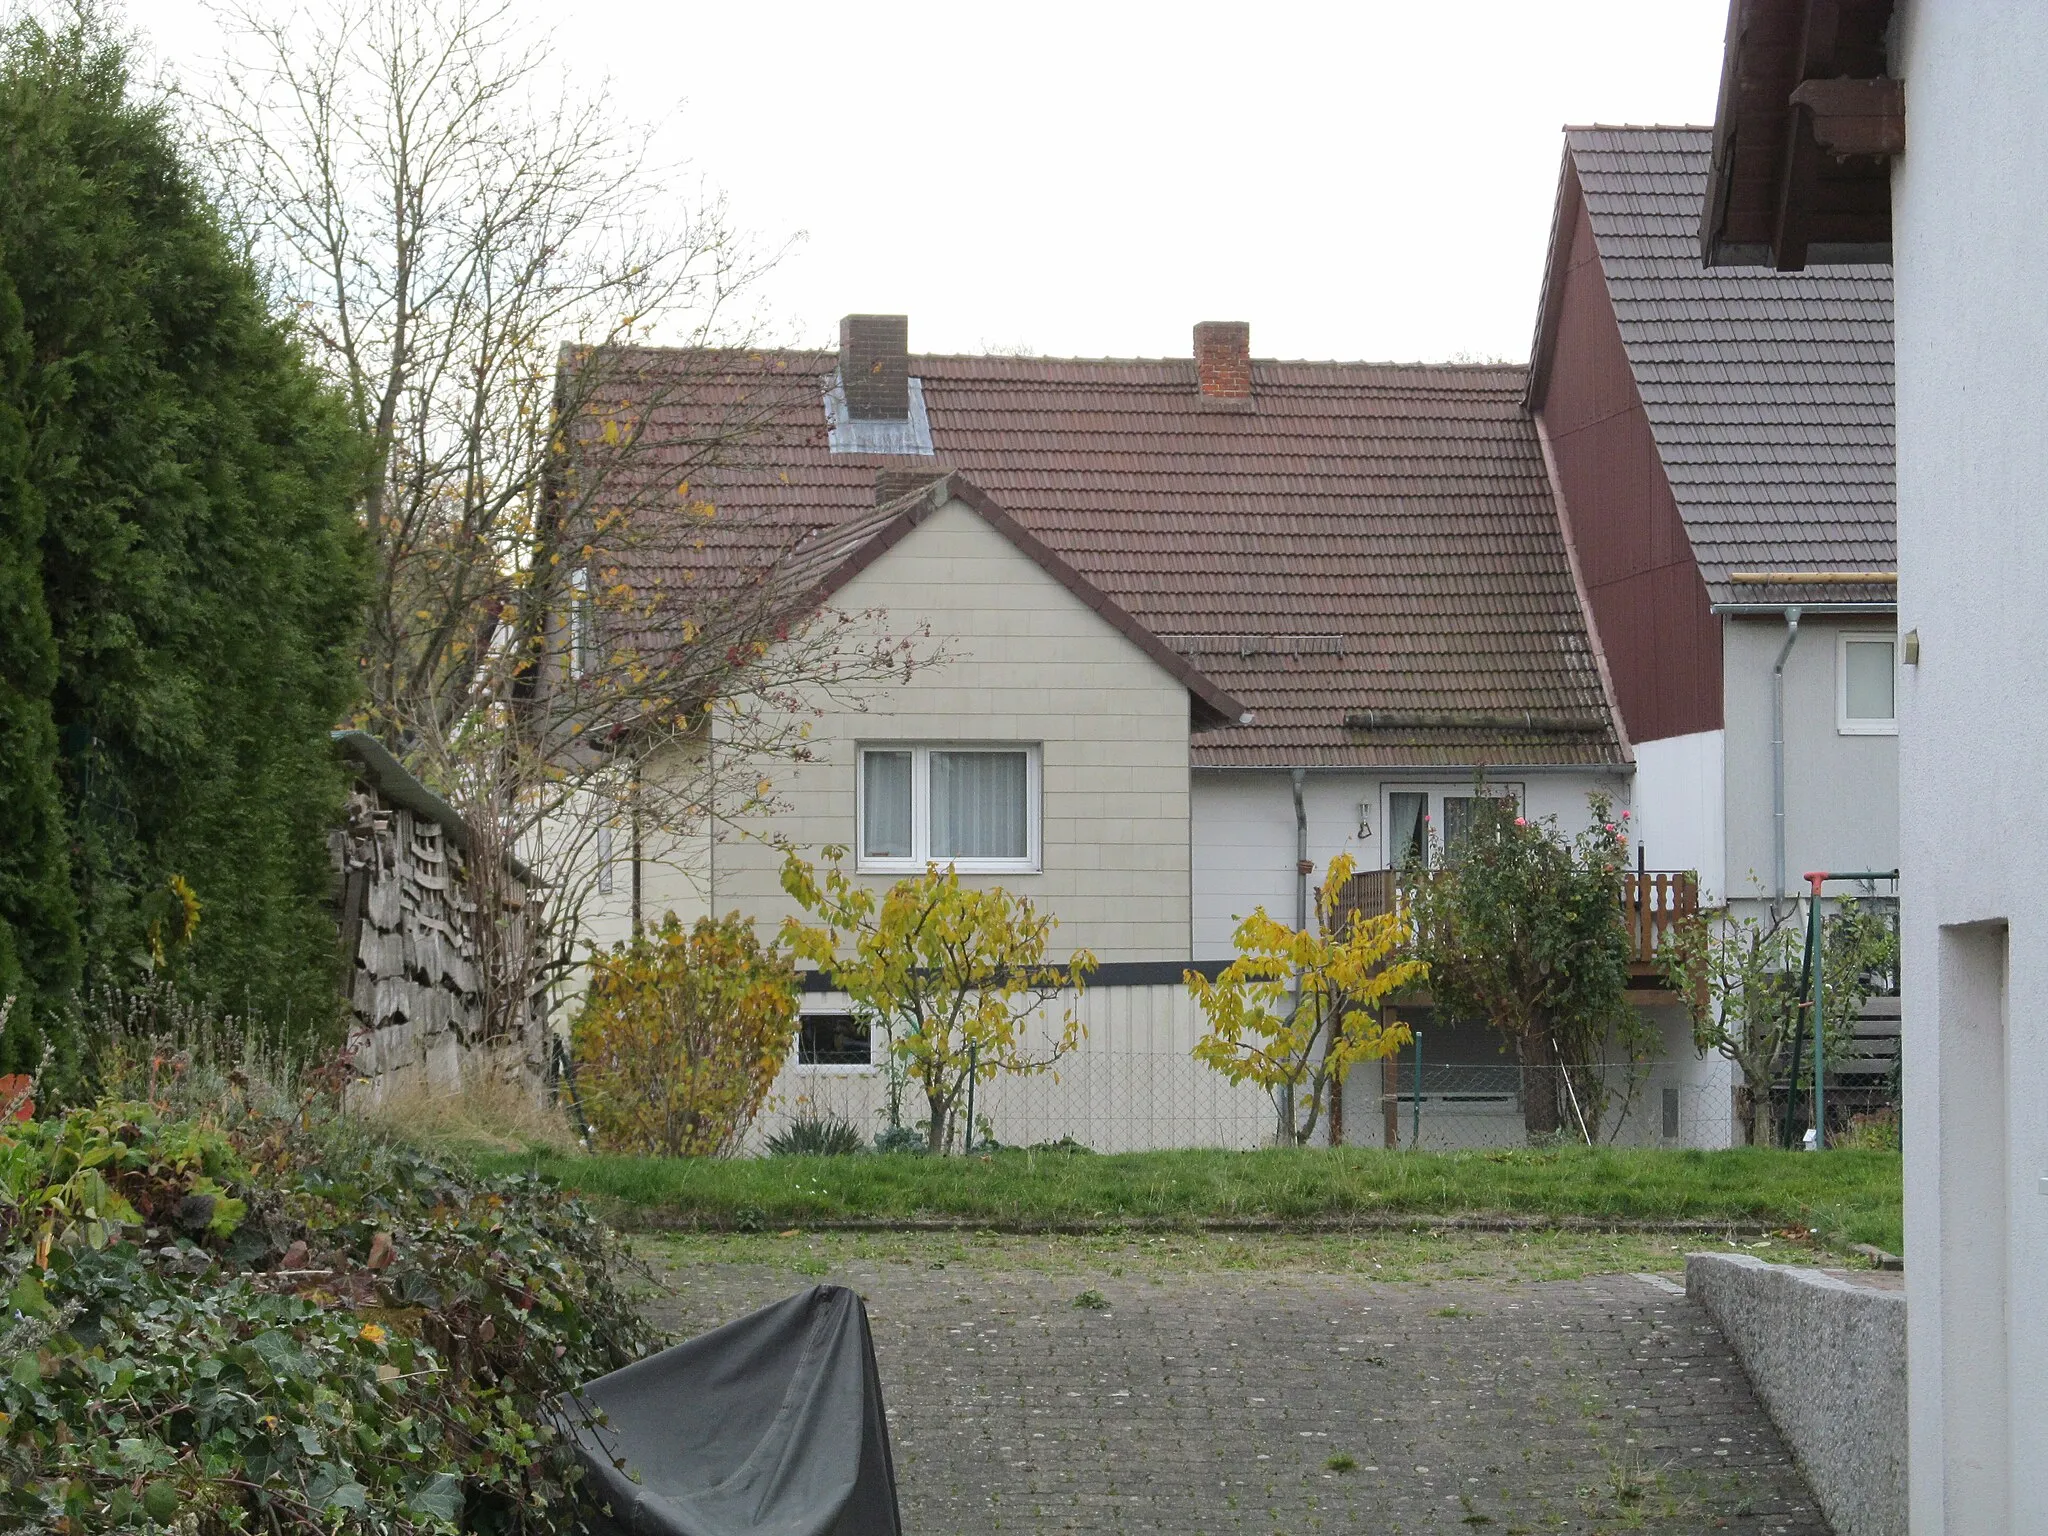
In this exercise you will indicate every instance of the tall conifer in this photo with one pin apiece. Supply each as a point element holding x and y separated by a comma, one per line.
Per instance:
<point>196,563</point>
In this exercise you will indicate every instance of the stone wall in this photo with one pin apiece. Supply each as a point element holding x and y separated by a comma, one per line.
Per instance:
<point>1828,1361</point>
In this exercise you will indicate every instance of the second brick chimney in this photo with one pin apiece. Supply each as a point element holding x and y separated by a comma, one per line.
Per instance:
<point>874,366</point>
<point>1223,359</point>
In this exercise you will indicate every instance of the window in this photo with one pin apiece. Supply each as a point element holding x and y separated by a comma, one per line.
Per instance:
<point>974,807</point>
<point>1866,694</point>
<point>1407,828</point>
<point>1424,815</point>
<point>579,623</point>
<point>834,1040</point>
<point>604,859</point>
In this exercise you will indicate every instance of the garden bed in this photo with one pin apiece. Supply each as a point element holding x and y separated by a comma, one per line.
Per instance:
<point>1837,1198</point>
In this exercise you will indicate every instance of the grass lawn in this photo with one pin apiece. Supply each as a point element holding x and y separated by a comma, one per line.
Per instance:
<point>1848,1196</point>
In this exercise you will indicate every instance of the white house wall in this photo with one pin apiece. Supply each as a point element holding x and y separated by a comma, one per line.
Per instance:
<point>1970,241</point>
<point>1026,662</point>
<point>1681,809</point>
<point>1244,833</point>
<point>1132,1085</point>
<point>1841,792</point>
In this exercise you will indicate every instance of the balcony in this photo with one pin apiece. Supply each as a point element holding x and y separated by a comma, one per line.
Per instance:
<point>1654,901</point>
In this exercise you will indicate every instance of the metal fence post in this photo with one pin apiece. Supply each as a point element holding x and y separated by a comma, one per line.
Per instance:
<point>1415,1140</point>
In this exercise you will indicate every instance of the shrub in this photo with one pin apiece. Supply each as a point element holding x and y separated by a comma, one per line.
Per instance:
<point>825,1135</point>
<point>681,1036</point>
<point>255,1319</point>
<point>953,974</point>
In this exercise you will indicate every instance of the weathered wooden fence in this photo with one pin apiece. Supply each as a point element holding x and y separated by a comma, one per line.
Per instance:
<point>411,961</point>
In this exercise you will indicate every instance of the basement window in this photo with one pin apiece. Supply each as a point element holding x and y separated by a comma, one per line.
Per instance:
<point>974,807</point>
<point>1866,695</point>
<point>834,1040</point>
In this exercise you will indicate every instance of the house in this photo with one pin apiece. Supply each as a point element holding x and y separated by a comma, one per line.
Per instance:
<point>1206,623</point>
<point>1722,442</point>
<point>1815,144</point>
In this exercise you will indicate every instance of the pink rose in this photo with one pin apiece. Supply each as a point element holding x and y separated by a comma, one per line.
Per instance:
<point>1624,815</point>
<point>1520,822</point>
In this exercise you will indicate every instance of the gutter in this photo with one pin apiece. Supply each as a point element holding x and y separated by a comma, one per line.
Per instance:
<point>1778,748</point>
<point>1772,610</point>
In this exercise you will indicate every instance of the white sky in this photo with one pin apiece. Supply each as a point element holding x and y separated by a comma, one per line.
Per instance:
<point>1362,180</point>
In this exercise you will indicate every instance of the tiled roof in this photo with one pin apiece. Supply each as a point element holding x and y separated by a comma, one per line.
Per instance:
<point>1769,393</point>
<point>1363,538</point>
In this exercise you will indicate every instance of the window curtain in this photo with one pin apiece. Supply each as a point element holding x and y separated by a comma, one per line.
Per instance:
<point>885,811</point>
<point>1407,839</point>
<point>979,805</point>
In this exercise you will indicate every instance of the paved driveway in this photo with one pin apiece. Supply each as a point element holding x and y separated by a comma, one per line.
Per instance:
<point>1293,1401</point>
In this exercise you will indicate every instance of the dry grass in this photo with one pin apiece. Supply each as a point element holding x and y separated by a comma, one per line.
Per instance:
<point>490,1113</point>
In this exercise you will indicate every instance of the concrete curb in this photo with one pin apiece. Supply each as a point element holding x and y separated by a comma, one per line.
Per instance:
<point>1828,1362</point>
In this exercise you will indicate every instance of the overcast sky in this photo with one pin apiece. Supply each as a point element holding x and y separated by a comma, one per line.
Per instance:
<point>1362,180</point>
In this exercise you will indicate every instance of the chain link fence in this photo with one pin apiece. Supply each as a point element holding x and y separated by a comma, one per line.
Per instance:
<point>1139,1101</point>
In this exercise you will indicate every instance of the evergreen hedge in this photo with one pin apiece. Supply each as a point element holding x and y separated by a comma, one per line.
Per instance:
<point>180,570</point>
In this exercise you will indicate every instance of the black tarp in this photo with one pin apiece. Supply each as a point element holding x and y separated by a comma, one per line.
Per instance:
<point>769,1426</point>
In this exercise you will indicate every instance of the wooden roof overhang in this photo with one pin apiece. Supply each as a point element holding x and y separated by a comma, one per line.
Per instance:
<point>1808,122</point>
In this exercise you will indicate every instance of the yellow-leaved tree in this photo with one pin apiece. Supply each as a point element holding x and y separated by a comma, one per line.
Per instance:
<point>681,1035</point>
<point>954,974</point>
<point>1298,1008</point>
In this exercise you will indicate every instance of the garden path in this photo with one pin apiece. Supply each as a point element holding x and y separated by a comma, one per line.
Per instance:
<point>1289,1400</point>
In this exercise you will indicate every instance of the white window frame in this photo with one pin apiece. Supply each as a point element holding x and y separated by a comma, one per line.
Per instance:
<point>1844,725</point>
<point>579,622</point>
<point>834,1068</point>
<point>1435,791</point>
<point>920,809</point>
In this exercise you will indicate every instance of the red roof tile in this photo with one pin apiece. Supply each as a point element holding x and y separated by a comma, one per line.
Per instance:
<point>1364,538</point>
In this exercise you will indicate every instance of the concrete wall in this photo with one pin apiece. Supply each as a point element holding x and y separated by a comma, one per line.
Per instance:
<point>1970,239</point>
<point>1244,831</point>
<point>1828,1361</point>
<point>1841,791</point>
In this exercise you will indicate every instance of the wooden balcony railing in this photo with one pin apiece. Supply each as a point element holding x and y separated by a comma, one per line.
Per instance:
<point>1654,903</point>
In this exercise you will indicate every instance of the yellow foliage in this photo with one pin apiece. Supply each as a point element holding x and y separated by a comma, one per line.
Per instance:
<point>681,1036</point>
<point>955,974</point>
<point>1298,1008</point>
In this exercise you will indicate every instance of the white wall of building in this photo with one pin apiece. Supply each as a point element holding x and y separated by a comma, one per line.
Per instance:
<point>1024,661</point>
<point>1841,790</point>
<point>1970,240</point>
<point>1681,807</point>
<point>1133,1084</point>
<point>1244,834</point>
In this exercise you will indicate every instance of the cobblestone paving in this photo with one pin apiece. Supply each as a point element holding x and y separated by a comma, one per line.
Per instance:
<point>1292,1402</point>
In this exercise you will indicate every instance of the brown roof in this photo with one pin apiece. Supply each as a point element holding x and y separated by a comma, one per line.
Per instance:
<point>1366,541</point>
<point>820,566</point>
<point>1769,393</point>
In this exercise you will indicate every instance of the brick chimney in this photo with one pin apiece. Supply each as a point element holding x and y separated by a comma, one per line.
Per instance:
<point>892,483</point>
<point>1223,359</point>
<point>874,366</point>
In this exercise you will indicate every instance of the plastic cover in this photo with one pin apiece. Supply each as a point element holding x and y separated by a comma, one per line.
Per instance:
<point>770,1426</point>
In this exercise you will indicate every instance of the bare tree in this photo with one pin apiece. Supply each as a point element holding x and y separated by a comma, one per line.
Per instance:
<point>478,255</point>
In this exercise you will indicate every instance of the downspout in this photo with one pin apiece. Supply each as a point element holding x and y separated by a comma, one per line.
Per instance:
<point>1778,754</point>
<point>1297,777</point>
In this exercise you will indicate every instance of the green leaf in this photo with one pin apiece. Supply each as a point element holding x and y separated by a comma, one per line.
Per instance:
<point>28,1299</point>
<point>441,1498</point>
